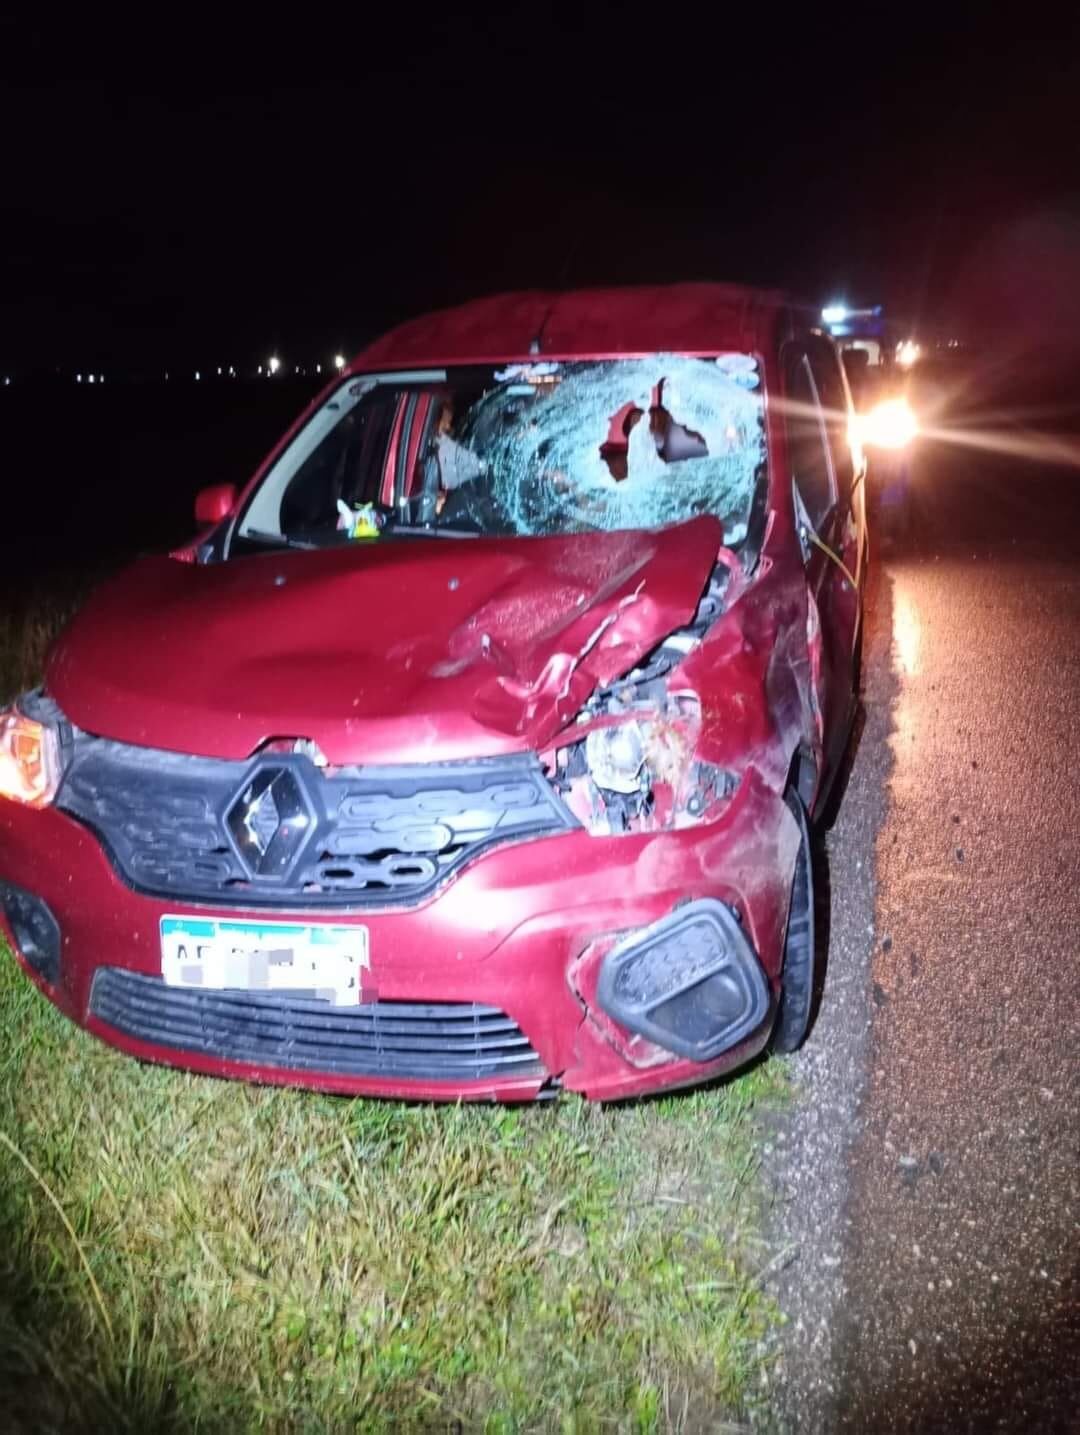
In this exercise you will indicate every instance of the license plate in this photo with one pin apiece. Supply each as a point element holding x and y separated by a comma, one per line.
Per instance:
<point>318,961</point>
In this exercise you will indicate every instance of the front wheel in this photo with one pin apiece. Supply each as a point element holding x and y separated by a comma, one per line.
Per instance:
<point>797,991</point>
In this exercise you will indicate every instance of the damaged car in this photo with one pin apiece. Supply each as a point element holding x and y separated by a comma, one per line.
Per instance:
<point>472,749</point>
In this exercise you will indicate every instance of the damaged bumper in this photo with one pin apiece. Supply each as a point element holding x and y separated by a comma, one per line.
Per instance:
<point>612,966</point>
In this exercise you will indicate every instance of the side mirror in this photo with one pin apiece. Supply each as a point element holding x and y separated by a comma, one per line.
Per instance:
<point>214,504</point>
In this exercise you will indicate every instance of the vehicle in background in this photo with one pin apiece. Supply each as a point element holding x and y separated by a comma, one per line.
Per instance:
<point>881,364</point>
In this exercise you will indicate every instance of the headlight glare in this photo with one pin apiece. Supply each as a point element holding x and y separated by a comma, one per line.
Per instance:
<point>890,424</point>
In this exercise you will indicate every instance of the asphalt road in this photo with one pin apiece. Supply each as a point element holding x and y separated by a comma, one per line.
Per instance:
<point>928,1182</point>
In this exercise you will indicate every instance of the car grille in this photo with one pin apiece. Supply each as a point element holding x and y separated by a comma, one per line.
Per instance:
<point>280,830</point>
<point>438,1041</point>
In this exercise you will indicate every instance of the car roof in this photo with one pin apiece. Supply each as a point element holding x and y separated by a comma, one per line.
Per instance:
<point>586,323</point>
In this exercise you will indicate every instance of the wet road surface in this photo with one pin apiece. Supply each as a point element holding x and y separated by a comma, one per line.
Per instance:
<point>930,1182</point>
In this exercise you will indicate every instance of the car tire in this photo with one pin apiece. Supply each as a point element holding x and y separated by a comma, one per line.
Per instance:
<point>797,990</point>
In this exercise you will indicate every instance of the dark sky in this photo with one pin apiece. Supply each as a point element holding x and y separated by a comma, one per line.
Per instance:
<point>201,188</point>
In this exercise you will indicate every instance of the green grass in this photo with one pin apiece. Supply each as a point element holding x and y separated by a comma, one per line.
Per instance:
<point>30,621</point>
<point>231,1257</point>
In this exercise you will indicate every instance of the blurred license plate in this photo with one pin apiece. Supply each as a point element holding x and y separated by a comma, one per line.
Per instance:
<point>320,961</point>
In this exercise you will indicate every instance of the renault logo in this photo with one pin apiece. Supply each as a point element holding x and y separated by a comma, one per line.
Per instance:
<point>269,820</point>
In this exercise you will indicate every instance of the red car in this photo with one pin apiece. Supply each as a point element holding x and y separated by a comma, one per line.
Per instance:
<point>469,751</point>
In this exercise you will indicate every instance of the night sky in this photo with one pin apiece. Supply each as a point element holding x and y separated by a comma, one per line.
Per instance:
<point>191,188</point>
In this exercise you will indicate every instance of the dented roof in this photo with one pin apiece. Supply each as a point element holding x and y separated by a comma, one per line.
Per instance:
<point>588,323</point>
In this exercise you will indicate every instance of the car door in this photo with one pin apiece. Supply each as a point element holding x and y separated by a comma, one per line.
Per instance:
<point>834,392</point>
<point>827,485</point>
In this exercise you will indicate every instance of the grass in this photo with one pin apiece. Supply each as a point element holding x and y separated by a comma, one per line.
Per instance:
<point>179,1253</point>
<point>30,617</point>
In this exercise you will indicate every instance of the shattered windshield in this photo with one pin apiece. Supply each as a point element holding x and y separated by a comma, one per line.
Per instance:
<point>522,450</point>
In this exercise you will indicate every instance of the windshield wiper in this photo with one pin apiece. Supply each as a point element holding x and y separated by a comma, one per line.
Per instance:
<point>279,540</point>
<point>420,530</point>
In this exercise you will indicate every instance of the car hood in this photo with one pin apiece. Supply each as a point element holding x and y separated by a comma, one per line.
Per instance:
<point>407,650</point>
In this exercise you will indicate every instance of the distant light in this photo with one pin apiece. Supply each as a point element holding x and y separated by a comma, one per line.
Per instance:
<point>101,378</point>
<point>78,378</point>
<point>834,313</point>
<point>339,361</point>
<point>318,368</point>
<point>232,372</point>
<point>219,371</point>
<point>274,364</point>
<point>7,380</point>
<point>260,368</point>
<point>90,378</point>
<point>198,376</point>
<point>907,353</point>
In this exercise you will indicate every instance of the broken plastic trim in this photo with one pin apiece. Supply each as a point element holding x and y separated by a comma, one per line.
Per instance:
<point>670,789</point>
<point>635,767</point>
<point>691,983</point>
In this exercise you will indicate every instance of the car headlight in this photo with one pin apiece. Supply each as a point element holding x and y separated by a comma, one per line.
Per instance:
<point>642,773</point>
<point>615,757</point>
<point>890,424</point>
<point>29,759</point>
<point>635,765</point>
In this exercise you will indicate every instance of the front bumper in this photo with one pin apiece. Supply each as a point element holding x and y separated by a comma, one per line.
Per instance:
<point>523,931</point>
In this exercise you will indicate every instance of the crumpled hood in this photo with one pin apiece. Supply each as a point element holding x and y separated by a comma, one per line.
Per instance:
<point>399,651</point>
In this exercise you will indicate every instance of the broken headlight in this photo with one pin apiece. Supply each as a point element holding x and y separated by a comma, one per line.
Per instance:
<point>30,766</point>
<point>641,773</point>
<point>615,757</point>
<point>635,768</point>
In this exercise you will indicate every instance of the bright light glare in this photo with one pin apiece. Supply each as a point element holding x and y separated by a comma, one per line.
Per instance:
<point>857,442</point>
<point>907,353</point>
<point>339,361</point>
<point>890,424</point>
<point>274,364</point>
<point>29,760</point>
<point>907,634</point>
<point>834,313</point>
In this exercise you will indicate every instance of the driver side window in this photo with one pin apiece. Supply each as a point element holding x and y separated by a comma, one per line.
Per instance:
<point>835,399</point>
<point>348,465</point>
<point>808,444</point>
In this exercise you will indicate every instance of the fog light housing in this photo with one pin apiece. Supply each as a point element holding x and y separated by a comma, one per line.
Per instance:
<point>691,983</point>
<point>35,929</point>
